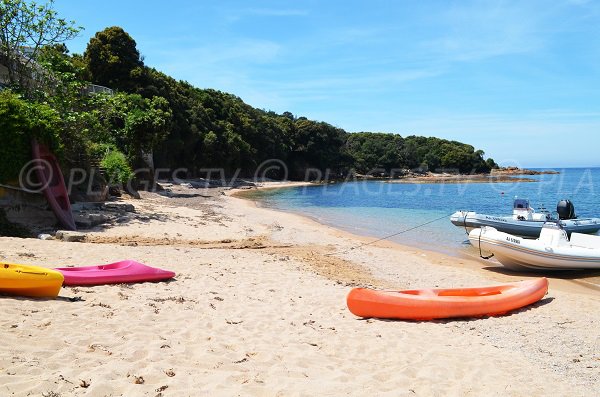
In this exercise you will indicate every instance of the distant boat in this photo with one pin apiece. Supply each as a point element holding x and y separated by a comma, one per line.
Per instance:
<point>553,250</point>
<point>525,221</point>
<point>51,178</point>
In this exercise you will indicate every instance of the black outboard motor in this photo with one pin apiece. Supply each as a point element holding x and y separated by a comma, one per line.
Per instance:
<point>566,210</point>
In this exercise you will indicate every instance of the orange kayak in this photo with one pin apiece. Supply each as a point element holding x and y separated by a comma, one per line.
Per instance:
<point>429,304</point>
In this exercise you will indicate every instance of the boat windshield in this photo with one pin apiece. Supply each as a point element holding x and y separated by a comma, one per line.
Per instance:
<point>521,204</point>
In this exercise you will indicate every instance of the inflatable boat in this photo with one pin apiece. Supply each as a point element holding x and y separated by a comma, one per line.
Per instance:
<point>553,250</point>
<point>525,222</point>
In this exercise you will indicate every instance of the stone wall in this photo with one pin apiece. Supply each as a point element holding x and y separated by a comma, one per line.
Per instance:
<point>30,210</point>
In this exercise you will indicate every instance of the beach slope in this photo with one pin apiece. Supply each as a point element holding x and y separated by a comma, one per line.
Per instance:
<point>258,308</point>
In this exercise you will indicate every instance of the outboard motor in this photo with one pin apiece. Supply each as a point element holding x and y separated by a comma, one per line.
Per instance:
<point>566,210</point>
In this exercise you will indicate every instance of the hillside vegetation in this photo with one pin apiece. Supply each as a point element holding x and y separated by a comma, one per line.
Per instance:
<point>182,126</point>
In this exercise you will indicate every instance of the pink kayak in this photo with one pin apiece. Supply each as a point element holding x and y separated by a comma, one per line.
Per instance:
<point>115,273</point>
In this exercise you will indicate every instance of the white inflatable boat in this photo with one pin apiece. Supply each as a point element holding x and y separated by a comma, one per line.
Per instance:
<point>525,221</point>
<point>553,250</point>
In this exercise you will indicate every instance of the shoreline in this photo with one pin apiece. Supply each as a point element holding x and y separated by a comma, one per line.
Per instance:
<point>258,308</point>
<point>458,179</point>
<point>443,259</point>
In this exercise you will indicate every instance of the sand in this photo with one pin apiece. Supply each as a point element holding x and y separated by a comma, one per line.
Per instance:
<point>258,308</point>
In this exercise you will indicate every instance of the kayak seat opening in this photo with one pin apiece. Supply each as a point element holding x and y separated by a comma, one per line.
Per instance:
<point>467,292</point>
<point>422,292</point>
<point>117,265</point>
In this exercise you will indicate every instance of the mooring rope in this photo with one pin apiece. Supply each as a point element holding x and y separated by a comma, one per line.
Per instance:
<point>465,222</point>
<point>480,253</point>
<point>391,235</point>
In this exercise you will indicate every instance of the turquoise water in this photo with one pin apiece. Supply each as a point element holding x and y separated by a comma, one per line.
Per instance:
<point>378,209</point>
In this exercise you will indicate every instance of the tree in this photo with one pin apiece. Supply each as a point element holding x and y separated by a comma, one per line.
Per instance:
<point>146,124</point>
<point>113,59</point>
<point>371,151</point>
<point>491,163</point>
<point>64,78</point>
<point>20,121</point>
<point>317,145</point>
<point>25,28</point>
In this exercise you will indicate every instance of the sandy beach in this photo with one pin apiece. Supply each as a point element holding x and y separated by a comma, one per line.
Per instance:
<point>258,308</point>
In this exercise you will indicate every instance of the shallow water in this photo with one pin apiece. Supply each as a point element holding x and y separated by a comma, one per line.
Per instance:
<point>379,209</point>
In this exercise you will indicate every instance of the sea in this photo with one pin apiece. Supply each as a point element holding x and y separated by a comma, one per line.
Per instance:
<point>418,214</point>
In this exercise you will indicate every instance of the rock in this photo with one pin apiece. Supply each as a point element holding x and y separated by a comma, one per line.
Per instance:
<point>83,222</point>
<point>81,206</point>
<point>87,221</point>
<point>44,236</point>
<point>98,218</point>
<point>133,192</point>
<point>201,184</point>
<point>69,236</point>
<point>120,207</point>
<point>240,184</point>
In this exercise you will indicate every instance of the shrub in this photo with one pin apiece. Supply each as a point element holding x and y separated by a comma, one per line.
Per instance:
<point>117,168</point>
<point>100,150</point>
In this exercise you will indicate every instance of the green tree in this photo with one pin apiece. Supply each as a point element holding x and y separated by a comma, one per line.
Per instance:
<point>371,151</point>
<point>317,145</point>
<point>20,121</point>
<point>492,164</point>
<point>65,78</point>
<point>26,28</point>
<point>113,59</point>
<point>146,123</point>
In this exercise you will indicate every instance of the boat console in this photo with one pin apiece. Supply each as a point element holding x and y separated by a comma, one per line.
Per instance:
<point>522,211</point>
<point>553,235</point>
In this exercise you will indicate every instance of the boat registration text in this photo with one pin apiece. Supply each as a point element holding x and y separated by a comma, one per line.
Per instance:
<point>493,218</point>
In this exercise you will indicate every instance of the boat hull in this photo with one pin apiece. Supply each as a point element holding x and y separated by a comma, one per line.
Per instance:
<point>530,229</point>
<point>517,253</point>
<point>127,271</point>
<point>429,304</point>
<point>51,178</point>
<point>31,281</point>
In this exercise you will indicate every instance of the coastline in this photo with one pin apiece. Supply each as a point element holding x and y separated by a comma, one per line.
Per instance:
<point>560,280</point>
<point>257,307</point>
<point>458,179</point>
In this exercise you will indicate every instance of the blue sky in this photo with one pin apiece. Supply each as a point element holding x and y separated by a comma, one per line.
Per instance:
<point>519,80</point>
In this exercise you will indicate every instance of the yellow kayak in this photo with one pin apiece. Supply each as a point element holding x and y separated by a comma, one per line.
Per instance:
<point>25,280</point>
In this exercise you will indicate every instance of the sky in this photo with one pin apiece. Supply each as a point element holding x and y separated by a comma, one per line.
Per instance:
<point>517,79</point>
